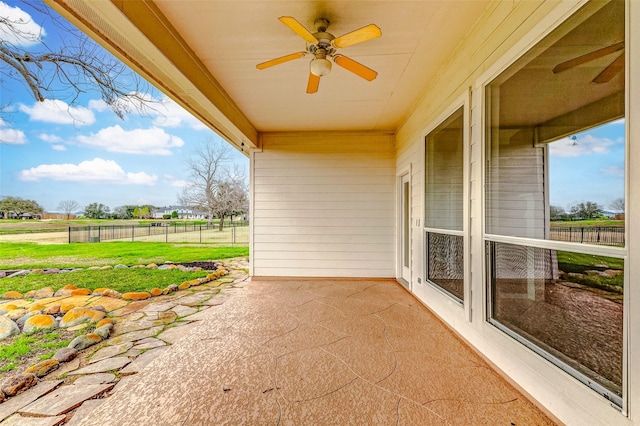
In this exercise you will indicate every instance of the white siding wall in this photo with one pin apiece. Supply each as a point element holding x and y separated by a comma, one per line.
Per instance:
<point>324,205</point>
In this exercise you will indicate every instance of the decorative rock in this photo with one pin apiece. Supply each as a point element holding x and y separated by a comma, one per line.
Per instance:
<point>51,310</point>
<point>14,404</point>
<point>98,308</point>
<point>38,322</point>
<point>69,287</point>
<point>172,288</point>
<point>140,295</point>
<point>63,400</point>
<point>95,379</point>
<point>81,292</point>
<point>36,307</point>
<point>10,307</point>
<point>121,266</point>
<point>37,271</point>
<point>8,328</point>
<point>44,293</point>
<point>93,268</point>
<point>16,313</point>
<point>12,295</point>
<point>20,321</point>
<point>19,383</point>
<point>167,316</point>
<point>62,293</point>
<point>80,315</point>
<point>156,291</point>
<point>103,331</point>
<point>43,368</point>
<point>108,364</point>
<point>98,291</point>
<point>2,397</point>
<point>110,351</point>
<point>104,321</point>
<point>112,293</point>
<point>66,307</point>
<point>185,285</point>
<point>83,342</point>
<point>65,354</point>
<point>30,294</point>
<point>152,266</point>
<point>106,268</point>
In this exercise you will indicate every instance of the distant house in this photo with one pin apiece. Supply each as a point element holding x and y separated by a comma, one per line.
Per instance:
<point>183,213</point>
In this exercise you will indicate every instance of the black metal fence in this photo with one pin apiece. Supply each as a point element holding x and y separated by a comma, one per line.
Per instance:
<point>604,235</point>
<point>233,234</point>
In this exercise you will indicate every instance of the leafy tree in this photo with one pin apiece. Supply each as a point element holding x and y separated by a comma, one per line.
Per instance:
<point>174,214</point>
<point>96,211</point>
<point>68,206</point>
<point>215,186</point>
<point>136,212</point>
<point>19,205</point>
<point>586,210</point>
<point>556,212</point>
<point>618,205</point>
<point>123,212</point>
<point>144,212</point>
<point>79,65</point>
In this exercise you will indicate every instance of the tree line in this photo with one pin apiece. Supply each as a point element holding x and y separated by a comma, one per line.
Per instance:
<point>583,210</point>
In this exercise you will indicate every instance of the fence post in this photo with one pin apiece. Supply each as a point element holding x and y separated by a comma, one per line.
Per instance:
<point>200,232</point>
<point>133,233</point>
<point>166,235</point>
<point>234,234</point>
<point>69,235</point>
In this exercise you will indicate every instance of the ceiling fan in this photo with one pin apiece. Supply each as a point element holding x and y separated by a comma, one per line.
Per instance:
<point>323,45</point>
<point>608,73</point>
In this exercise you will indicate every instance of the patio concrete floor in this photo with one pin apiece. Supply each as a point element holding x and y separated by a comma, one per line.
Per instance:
<point>318,352</point>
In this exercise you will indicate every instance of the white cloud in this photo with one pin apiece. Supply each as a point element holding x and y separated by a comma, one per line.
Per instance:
<point>96,170</point>
<point>59,112</point>
<point>153,141</point>
<point>10,136</point>
<point>170,114</point>
<point>25,31</point>
<point>57,147</point>
<point>585,145</point>
<point>98,105</point>
<point>613,171</point>
<point>50,138</point>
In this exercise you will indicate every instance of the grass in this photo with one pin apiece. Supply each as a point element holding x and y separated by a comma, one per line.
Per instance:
<point>122,280</point>
<point>578,263</point>
<point>37,346</point>
<point>31,255</point>
<point>587,223</point>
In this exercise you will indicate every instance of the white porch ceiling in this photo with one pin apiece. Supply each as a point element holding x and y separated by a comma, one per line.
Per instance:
<point>231,37</point>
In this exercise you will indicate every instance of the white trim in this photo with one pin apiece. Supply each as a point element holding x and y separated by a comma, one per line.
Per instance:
<point>405,171</point>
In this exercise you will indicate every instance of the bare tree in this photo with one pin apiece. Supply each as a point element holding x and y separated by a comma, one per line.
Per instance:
<point>214,185</point>
<point>618,205</point>
<point>79,65</point>
<point>68,206</point>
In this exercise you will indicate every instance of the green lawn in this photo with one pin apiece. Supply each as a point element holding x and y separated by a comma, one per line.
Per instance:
<point>31,255</point>
<point>122,280</point>
<point>588,223</point>
<point>579,263</point>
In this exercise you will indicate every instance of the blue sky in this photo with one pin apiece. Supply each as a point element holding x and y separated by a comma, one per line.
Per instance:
<point>51,151</point>
<point>589,168</point>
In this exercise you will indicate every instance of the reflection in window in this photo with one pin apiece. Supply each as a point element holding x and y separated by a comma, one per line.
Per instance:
<point>551,163</point>
<point>444,208</point>
<point>567,304</point>
<point>554,170</point>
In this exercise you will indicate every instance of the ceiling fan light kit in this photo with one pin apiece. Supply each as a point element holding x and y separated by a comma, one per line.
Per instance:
<point>323,45</point>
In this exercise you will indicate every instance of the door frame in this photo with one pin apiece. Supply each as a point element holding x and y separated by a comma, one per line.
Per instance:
<point>404,274</point>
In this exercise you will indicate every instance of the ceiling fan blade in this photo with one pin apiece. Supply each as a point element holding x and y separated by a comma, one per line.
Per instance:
<point>298,28</point>
<point>355,67</point>
<point>357,36</point>
<point>313,83</point>
<point>611,71</point>
<point>280,60</point>
<point>588,57</point>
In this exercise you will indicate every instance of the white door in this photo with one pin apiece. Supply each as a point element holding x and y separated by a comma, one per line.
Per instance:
<point>405,228</point>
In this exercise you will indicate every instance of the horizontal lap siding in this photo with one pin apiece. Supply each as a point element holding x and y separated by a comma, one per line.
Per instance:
<point>324,205</point>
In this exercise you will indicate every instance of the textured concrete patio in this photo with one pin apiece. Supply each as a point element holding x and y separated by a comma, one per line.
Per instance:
<point>316,352</point>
